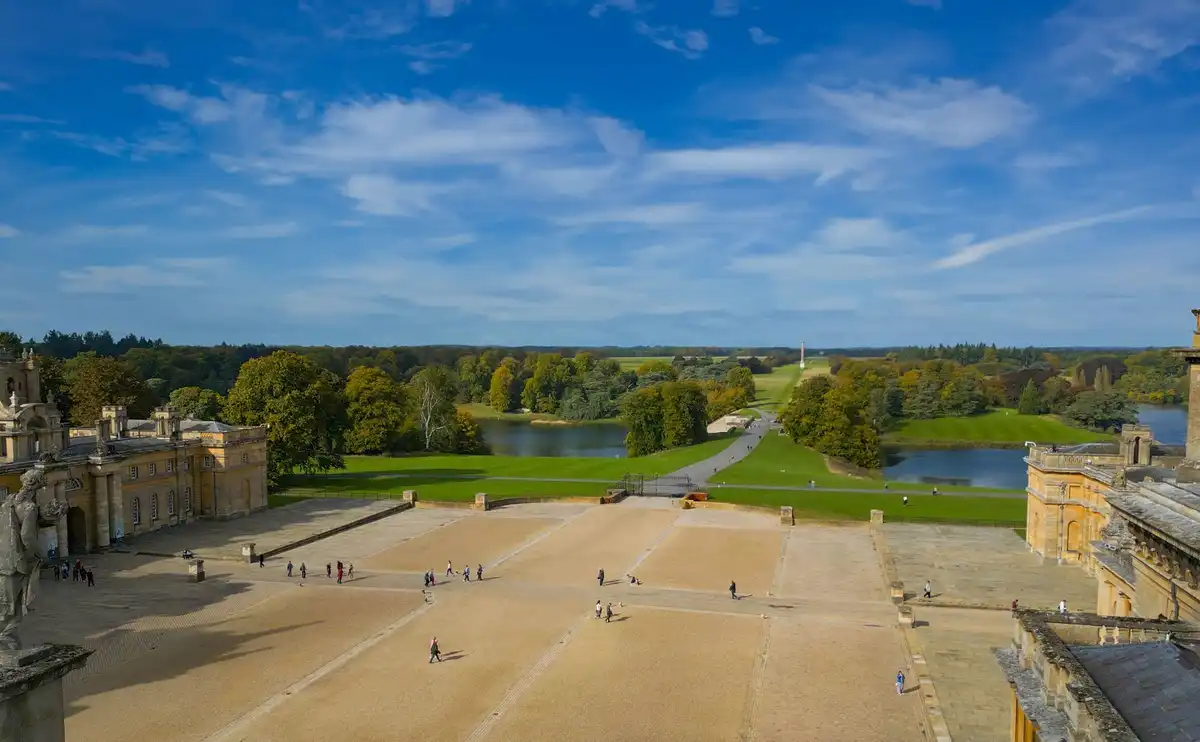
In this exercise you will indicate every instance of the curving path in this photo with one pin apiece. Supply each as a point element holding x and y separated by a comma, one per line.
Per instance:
<point>700,471</point>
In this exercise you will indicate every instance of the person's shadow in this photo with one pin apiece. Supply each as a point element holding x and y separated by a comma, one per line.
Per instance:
<point>450,656</point>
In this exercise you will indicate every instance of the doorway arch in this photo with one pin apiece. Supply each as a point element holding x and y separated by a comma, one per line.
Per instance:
<point>76,530</point>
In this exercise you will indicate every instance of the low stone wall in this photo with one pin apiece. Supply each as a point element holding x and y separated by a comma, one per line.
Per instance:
<point>399,508</point>
<point>506,501</point>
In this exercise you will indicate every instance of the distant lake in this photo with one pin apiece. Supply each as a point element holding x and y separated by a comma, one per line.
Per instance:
<point>998,468</point>
<point>1169,422</point>
<point>594,440</point>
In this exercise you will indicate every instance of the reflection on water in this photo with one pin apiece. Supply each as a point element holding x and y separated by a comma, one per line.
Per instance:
<point>998,468</point>
<point>1169,423</point>
<point>596,440</point>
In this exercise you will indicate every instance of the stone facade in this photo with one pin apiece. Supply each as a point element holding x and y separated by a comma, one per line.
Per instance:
<point>1128,512</point>
<point>125,477</point>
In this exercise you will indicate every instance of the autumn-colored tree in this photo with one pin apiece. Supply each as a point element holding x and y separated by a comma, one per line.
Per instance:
<point>378,410</point>
<point>302,406</point>
<point>94,381</point>
<point>500,395</point>
<point>196,403</point>
<point>742,380</point>
<point>467,436</point>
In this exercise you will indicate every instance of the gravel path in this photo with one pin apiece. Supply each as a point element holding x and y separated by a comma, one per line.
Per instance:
<point>700,471</point>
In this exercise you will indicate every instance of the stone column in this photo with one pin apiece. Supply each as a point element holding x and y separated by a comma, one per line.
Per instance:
<point>100,509</point>
<point>60,494</point>
<point>116,507</point>
<point>1192,356</point>
<point>31,695</point>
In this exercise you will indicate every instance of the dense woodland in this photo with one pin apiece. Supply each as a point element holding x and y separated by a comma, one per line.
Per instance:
<point>393,400</point>
<point>847,414</point>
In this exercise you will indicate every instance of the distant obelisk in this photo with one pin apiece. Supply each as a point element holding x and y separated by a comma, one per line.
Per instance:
<point>801,356</point>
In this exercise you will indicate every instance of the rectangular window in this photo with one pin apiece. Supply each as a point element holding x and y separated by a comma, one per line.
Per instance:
<point>187,499</point>
<point>153,469</point>
<point>171,503</point>
<point>132,473</point>
<point>154,506</point>
<point>208,462</point>
<point>245,458</point>
<point>170,466</point>
<point>136,510</point>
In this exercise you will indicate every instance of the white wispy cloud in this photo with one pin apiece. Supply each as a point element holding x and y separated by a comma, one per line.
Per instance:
<point>689,43</point>
<point>272,231</point>
<point>651,215</point>
<point>383,195</point>
<point>166,140</point>
<point>147,58</point>
<point>374,24</point>
<point>442,8</point>
<point>160,274</point>
<point>85,232</point>
<point>1047,160</point>
<point>236,200</point>
<point>974,252</point>
<point>761,37</point>
<point>425,57</point>
<point>234,102</point>
<point>766,162</point>
<point>952,113</point>
<point>725,8</point>
<point>1097,40</point>
<point>23,118</point>
<point>8,231</point>
<point>628,6</point>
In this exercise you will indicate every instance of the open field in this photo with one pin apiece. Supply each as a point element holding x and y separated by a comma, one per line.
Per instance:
<point>992,427</point>
<point>290,660</point>
<point>778,461</point>
<point>773,390</point>
<point>818,505</point>
<point>630,363</point>
<point>453,477</point>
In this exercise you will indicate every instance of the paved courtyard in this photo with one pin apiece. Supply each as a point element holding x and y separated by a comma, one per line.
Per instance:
<point>250,654</point>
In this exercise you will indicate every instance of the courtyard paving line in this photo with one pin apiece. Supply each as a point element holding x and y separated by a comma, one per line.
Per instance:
<point>521,686</point>
<point>536,539</point>
<point>754,688</point>
<point>654,544</point>
<point>779,566</point>
<point>233,732</point>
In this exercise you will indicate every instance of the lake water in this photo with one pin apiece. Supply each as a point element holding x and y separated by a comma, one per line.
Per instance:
<point>1004,468</point>
<point>595,440</point>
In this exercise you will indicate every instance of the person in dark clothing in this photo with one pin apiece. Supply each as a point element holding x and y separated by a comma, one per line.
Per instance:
<point>608,613</point>
<point>91,578</point>
<point>479,573</point>
<point>600,578</point>
<point>435,653</point>
<point>303,570</point>
<point>262,561</point>
<point>328,569</point>
<point>733,590</point>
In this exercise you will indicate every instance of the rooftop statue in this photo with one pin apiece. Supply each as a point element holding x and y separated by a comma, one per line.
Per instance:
<point>19,558</point>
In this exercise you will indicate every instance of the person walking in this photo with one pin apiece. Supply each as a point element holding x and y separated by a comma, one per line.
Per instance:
<point>91,578</point>
<point>599,608</point>
<point>733,590</point>
<point>608,613</point>
<point>928,590</point>
<point>905,501</point>
<point>1062,607</point>
<point>449,568</point>
<point>65,569</point>
<point>303,570</point>
<point>341,571</point>
<point>899,682</point>
<point>262,562</point>
<point>466,574</point>
<point>328,570</point>
<point>75,571</point>
<point>350,572</point>
<point>435,653</point>
<point>289,568</point>
<point>479,573</point>
<point>600,578</point>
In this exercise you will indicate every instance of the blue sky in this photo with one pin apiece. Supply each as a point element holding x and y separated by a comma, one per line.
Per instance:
<point>730,172</point>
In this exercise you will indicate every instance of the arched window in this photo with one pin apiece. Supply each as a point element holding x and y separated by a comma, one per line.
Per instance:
<point>136,510</point>
<point>171,503</point>
<point>154,506</point>
<point>1073,536</point>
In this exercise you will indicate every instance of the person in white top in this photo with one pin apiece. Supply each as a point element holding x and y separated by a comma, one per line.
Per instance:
<point>1062,607</point>
<point>599,608</point>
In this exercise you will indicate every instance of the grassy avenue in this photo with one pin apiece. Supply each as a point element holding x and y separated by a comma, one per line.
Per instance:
<point>776,462</point>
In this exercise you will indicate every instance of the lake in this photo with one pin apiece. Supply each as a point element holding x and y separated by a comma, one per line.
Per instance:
<point>1004,468</point>
<point>594,440</point>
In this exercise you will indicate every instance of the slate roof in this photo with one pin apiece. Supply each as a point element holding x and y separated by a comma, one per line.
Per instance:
<point>1154,686</point>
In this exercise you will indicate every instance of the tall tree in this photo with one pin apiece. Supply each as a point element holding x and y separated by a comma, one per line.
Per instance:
<point>1101,410</point>
<point>642,412</point>
<point>10,342</point>
<point>801,417</point>
<point>1031,400</point>
<point>94,381</point>
<point>433,390</point>
<point>301,404</point>
<point>742,379</point>
<point>196,403</point>
<point>467,436</point>
<point>377,411</point>
<point>500,395</point>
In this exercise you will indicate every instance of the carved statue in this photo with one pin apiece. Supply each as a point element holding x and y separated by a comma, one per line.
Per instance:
<point>19,559</point>
<point>1116,535</point>
<point>12,401</point>
<point>1119,478</point>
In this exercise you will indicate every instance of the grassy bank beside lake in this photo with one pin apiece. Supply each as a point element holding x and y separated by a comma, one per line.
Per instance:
<point>778,461</point>
<point>995,428</point>
<point>436,490</point>
<point>817,505</point>
<point>482,412</point>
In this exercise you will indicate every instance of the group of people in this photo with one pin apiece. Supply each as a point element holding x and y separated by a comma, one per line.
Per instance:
<point>466,573</point>
<point>75,572</point>
<point>342,571</point>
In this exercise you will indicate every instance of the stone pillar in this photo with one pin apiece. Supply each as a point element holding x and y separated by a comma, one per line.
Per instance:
<point>907,617</point>
<point>897,592</point>
<point>786,516</point>
<point>481,501</point>
<point>410,496</point>
<point>60,494</point>
<point>116,507</point>
<point>31,696</point>
<point>100,510</point>
<point>248,552</point>
<point>196,570</point>
<point>1189,471</point>
<point>877,517</point>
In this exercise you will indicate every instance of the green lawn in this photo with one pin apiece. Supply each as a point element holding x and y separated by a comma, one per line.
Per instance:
<point>631,363</point>
<point>443,491</point>
<point>995,426</point>
<point>780,462</point>
<point>773,390</point>
<point>819,505</point>
<point>385,474</point>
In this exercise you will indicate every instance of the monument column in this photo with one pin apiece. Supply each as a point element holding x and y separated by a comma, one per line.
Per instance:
<point>1189,470</point>
<point>116,507</point>
<point>60,494</point>
<point>100,509</point>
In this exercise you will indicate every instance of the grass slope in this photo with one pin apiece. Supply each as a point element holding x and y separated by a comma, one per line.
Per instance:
<point>780,462</point>
<point>437,491</point>
<point>456,475</point>
<point>817,505</point>
<point>995,426</point>
<point>773,390</point>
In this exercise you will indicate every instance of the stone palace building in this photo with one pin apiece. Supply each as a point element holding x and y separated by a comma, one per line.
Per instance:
<point>124,477</point>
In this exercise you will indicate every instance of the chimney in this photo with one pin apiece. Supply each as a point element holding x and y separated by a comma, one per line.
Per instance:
<point>166,423</point>
<point>103,431</point>
<point>118,418</point>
